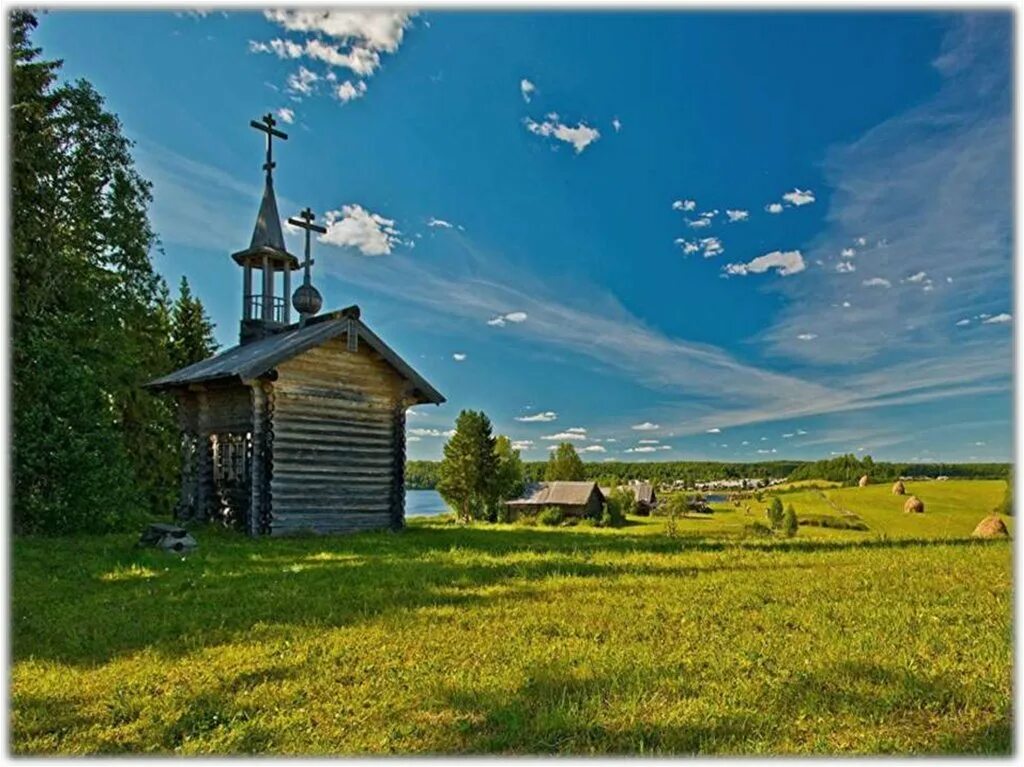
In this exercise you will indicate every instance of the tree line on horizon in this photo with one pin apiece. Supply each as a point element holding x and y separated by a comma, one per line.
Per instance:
<point>91,320</point>
<point>847,469</point>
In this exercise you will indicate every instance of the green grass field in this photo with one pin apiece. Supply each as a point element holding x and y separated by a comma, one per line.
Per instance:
<point>448,639</point>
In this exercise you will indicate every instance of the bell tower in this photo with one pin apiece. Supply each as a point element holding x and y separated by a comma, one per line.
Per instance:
<point>265,305</point>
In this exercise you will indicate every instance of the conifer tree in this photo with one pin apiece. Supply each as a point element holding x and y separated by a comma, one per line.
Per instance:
<point>466,476</point>
<point>191,330</point>
<point>91,450</point>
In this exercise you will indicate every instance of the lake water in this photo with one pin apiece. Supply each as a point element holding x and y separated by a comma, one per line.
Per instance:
<point>424,503</point>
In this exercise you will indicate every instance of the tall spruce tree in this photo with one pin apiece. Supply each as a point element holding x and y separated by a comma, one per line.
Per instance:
<point>91,451</point>
<point>191,329</point>
<point>466,476</point>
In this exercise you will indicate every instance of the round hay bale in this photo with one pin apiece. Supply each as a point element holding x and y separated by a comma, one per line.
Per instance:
<point>898,489</point>
<point>864,481</point>
<point>914,505</point>
<point>991,527</point>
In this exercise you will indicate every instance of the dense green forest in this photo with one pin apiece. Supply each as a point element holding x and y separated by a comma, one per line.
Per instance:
<point>847,469</point>
<point>91,319</point>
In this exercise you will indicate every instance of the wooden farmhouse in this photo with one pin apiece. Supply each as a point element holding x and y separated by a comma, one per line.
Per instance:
<point>644,495</point>
<point>580,499</point>
<point>301,426</point>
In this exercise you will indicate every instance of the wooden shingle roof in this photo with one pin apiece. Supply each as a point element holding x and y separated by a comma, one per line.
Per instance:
<point>246,362</point>
<point>556,494</point>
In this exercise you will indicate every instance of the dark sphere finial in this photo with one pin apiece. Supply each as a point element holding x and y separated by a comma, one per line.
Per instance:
<point>307,300</point>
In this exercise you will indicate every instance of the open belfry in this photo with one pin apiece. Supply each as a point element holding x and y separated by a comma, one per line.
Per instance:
<point>301,426</point>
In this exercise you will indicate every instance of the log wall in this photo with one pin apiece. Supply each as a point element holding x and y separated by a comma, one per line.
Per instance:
<point>337,430</point>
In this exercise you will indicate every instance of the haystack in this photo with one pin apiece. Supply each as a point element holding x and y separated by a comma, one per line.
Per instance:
<point>914,505</point>
<point>864,481</point>
<point>898,489</point>
<point>991,527</point>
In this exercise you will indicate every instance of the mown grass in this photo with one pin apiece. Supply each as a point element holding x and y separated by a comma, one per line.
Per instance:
<point>447,639</point>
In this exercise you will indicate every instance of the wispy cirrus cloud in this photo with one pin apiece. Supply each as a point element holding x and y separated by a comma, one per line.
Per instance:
<point>948,221</point>
<point>545,417</point>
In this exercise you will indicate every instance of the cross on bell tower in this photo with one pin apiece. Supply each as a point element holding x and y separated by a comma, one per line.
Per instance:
<point>267,310</point>
<point>307,300</point>
<point>267,126</point>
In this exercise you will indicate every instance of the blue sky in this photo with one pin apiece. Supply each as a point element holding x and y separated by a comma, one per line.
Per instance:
<point>660,235</point>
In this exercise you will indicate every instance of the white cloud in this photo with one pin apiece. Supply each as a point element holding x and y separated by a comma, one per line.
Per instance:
<point>545,417</point>
<point>687,247</point>
<point>642,449</point>
<point>845,267</point>
<point>286,115</point>
<point>502,319</point>
<point>807,336</point>
<point>714,430</point>
<point>348,91</point>
<point>879,282</point>
<point>302,81</point>
<point>355,227</point>
<point>435,222</point>
<point>773,207</point>
<point>616,124</point>
<point>917,277</point>
<point>581,136</point>
<point>798,197</point>
<point>646,426</point>
<point>712,247</point>
<point>459,357</point>
<point>785,263</point>
<point>737,215</point>
<point>848,253</point>
<point>568,434</point>
<point>963,323</point>
<point>861,241</point>
<point>684,205</point>
<point>648,441</point>
<point>698,223</point>
<point>593,449</point>
<point>526,88</point>
<point>352,40</point>
<point>420,432</point>
<point>522,444</point>
<point>376,30</point>
<point>999,319</point>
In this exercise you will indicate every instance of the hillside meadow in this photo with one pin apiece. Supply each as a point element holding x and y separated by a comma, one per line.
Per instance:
<point>511,639</point>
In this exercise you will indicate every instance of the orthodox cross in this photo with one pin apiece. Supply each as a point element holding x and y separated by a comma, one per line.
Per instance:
<point>267,126</point>
<point>305,221</point>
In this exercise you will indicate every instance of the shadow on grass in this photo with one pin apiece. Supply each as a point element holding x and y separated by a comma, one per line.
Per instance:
<point>559,711</point>
<point>87,600</point>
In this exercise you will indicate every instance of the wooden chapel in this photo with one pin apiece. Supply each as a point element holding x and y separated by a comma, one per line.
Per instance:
<point>301,426</point>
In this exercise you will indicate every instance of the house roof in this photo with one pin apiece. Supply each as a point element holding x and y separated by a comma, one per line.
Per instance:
<point>248,361</point>
<point>643,491</point>
<point>556,494</point>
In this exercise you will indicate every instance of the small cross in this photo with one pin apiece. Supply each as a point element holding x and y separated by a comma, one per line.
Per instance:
<point>267,126</point>
<point>305,221</point>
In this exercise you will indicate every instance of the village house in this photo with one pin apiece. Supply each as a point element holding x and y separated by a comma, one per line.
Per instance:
<point>301,426</point>
<point>644,496</point>
<point>575,499</point>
